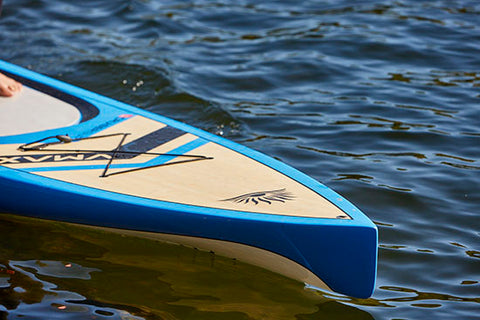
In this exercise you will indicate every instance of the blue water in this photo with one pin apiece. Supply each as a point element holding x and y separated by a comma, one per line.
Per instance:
<point>378,100</point>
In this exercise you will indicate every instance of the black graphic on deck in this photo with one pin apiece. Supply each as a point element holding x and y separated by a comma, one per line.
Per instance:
<point>140,146</point>
<point>280,195</point>
<point>127,151</point>
<point>149,141</point>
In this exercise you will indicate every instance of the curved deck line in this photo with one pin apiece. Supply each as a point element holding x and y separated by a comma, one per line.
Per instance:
<point>342,252</point>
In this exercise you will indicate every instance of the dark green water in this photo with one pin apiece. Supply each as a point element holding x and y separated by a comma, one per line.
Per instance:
<point>379,100</point>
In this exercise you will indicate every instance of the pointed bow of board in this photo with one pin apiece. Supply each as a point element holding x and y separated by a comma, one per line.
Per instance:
<point>106,164</point>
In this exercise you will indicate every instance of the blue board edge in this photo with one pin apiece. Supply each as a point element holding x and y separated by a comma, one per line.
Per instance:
<point>295,227</point>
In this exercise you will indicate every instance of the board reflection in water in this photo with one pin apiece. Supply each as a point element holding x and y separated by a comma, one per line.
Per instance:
<point>51,269</point>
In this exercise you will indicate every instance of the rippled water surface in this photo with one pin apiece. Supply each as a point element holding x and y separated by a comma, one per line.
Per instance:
<point>379,100</point>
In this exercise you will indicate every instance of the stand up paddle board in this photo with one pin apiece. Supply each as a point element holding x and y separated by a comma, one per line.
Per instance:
<point>67,154</point>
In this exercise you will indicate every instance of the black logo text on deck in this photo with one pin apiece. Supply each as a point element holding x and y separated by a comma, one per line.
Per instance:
<point>59,157</point>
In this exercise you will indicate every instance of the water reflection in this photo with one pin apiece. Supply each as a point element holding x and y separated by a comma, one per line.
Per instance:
<point>332,310</point>
<point>108,275</point>
<point>35,297</point>
<point>415,295</point>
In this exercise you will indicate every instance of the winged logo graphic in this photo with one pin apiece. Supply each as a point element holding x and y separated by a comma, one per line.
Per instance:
<point>280,195</point>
